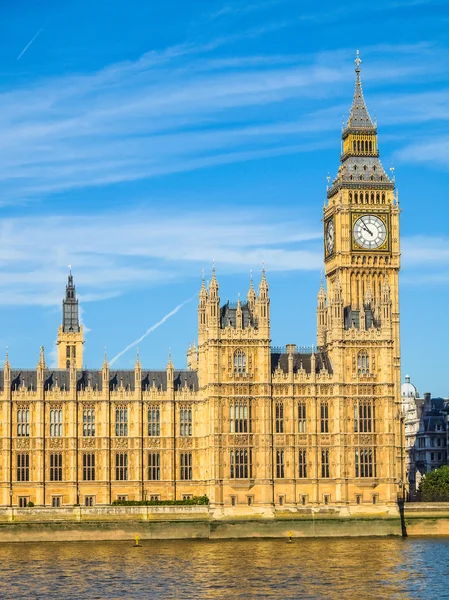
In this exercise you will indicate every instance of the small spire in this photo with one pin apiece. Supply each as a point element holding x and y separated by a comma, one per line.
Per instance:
<point>105,360</point>
<point>41,358</point>
<point>137,365</point>
<point>7,365</point>
<point>368,295</point>
<point>251,295</point>
<point>169,363</point>
<point>263,282</point>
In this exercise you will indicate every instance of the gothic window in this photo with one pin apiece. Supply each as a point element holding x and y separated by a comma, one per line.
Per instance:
<point>56,467</point>
<point>364,416</point>
<point>56,422</point>
<point>185,421</point>
<point>365,462</point>
<point>356,196</point>
<point>121,421</point>
<point>366,197</point>
<point>354,145</point>
<point>23,466</point>
<point>154,466</point>
<point>240,464</point>
<point>279,417</point>
<point>371,146</point>
<point>67,351</point>
<point>186,466</point>
<point>383,198</point>
<point>67,364</point>
<point>121,466</point>
<point>239,417</point>
<point>351,177</point>
<point>325,463</point>
<point>154,421</point>
<point>280,464</point>
<point>350,197</point>
<point>364,167</point>
<point>372,195</point>
<point>23,422</point>
<point>239,361</point>
<point>302,417</point>
<point>88,467</point>
<point>363,363</point>
<point>302,462</point>
<point>324,417</point>
<point>89,422</point>
<point>377,197</point>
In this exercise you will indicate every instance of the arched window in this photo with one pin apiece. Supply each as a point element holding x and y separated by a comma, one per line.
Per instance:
<point>324,417</point>
<point>279,417</point>
<point>363,363</point>
<point>56,422</point>
<point>89,422</point>
<point>239,361</point>
<point>371,146</point>
<point>355,145</point>
<point>383,198</point>
<point>350,197</point>
<point>364,416</point>
<point>239,417</point>
<point>356,197</point>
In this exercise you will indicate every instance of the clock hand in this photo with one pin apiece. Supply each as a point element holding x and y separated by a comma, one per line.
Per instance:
<point>366,228</point>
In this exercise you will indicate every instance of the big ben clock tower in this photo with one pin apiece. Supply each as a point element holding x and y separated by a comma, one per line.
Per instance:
<point>358,317</point>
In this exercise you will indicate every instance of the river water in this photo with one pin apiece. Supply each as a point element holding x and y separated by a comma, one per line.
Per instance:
<point>342,569</point>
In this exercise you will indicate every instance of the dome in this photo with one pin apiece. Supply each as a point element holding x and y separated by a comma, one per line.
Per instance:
<point>408,390</point>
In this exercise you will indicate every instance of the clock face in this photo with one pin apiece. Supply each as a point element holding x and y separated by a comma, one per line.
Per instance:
<point>330,236</point>
<point>370,232</point>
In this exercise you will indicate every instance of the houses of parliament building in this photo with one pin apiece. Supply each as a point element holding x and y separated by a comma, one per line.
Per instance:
<point>245,424</point>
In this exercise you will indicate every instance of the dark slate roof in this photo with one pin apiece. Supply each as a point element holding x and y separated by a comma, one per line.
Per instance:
<point>182,379</point>
<point>228,315</point>
<point>186,378</point>
<point>26,376</point>
<point>57,378</point>
<point>304,359</point>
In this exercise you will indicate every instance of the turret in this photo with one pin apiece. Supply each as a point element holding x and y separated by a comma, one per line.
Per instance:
<point>321,316</point>
<point>251,295</point>
<point>263,304</point>
<point>213,312</point>
<point>137,373</point>
<point>105,372</point>
<point>202,304</point>
<point>41,369</point>
<point>238,315</point>
<point>170,375</point>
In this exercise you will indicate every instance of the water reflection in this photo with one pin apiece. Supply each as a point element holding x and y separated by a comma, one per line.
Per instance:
<point>343,569</point>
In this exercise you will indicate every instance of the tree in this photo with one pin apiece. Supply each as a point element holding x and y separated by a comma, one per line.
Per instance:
<point>434,486</point>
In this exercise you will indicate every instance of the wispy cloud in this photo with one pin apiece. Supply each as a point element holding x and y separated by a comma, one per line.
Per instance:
<point>115,253</point>
<point>181,109</point>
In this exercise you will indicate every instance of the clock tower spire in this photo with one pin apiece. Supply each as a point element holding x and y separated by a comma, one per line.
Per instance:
<point>70,333</point>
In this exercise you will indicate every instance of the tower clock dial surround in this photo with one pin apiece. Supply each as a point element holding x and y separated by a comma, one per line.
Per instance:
<point>370,232</point>
<point>330,237</point>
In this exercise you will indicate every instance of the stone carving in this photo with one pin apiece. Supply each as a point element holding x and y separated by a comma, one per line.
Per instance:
<point>88,443</point>
<point>23,444</point>
<point>121,443</point>
<point>55,443</point>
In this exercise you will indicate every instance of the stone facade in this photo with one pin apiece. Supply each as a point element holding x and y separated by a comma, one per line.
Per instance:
<point>246,424</point>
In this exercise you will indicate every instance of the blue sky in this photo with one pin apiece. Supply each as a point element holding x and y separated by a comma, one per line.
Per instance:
<point>141,140</point>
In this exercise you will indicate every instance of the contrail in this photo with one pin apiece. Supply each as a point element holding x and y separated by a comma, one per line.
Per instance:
<point>29,43</point>
<point>151,329</point>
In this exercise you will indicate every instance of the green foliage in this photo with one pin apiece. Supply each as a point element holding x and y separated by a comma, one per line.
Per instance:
<point>194,501</point>
<point>434,486</point>
<point>30,504</point>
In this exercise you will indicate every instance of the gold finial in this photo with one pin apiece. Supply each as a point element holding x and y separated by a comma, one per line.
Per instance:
<point>358,60</point>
